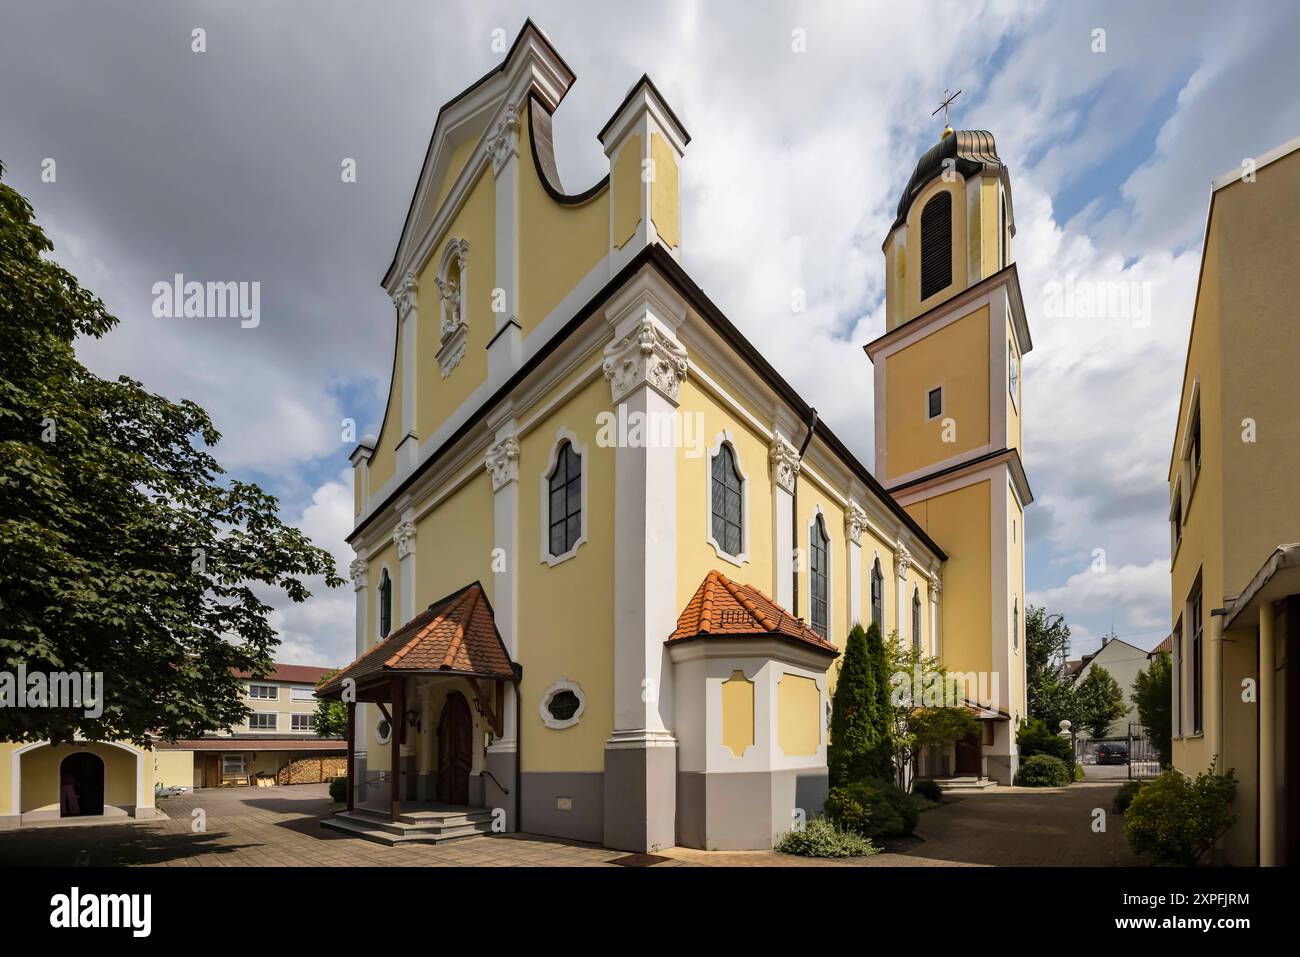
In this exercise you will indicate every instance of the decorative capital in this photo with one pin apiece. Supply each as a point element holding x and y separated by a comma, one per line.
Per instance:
<point>902,560</point>
<point>404,539</point>
<point>503,141</point>
<point>502,462</point>
<point>855,522</point>
<point>936,586</point>
<point>358,570</point>
<point>645,356</point>
<point>404,298</point>
<point>783,458</point>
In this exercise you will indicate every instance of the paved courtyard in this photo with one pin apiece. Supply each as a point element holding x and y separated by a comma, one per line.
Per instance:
<point>280,826</point>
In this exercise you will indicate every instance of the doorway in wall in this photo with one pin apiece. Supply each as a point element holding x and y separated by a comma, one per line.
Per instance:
<point>81,785</point>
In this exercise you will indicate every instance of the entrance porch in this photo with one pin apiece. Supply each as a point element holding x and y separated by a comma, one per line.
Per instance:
<point>438,688</point>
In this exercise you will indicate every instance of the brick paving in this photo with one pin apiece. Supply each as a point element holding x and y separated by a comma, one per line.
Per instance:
<point>280,827</point>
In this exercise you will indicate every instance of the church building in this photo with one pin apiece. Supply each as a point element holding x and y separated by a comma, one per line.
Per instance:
<point>607,558</point>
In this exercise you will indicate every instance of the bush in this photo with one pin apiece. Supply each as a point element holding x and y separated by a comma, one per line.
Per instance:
<point>1127,792</point>
<point>821,838</point>
<point>872,808</point>
<point>928,789</point>
<point>1174,820</point>
<point>1043,771</point>
<point>1035,737</point>
<point>339,790</point>
<point>1078,772</point>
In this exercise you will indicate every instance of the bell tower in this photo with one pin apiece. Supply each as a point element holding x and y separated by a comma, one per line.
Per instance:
<point>948,404</point>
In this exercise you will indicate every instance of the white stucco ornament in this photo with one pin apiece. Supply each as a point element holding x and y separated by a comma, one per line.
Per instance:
<point>502,462</point>
<point>783,458</point>
<point>645,356</point>
<point>404,539</point>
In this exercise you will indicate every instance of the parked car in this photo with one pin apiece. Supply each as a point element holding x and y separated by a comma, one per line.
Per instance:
<point>1112,753</point>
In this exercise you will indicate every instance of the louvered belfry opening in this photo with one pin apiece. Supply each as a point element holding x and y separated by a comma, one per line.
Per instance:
<point>936,244</point>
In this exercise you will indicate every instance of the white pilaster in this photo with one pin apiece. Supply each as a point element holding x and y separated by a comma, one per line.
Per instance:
<point>506,349</point>
<point>903,607</point>
<point>783,460</point>
<point>855,523</point>
<point>935,588</point>
<point>645,366</point>
<point>404,539</point>
<point>406,300</point>
<point>502,463</point>
<point>359,570</point>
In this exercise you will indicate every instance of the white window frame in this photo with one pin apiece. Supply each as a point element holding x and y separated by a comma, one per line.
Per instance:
<point>543,708</point>
<point>1177,517</point>
<point>830,568</point>
<point>262,686</point>
<point>226,758</point>
<point>300,693</point>
<point>544,487</point>
<point>299,714</point>
<point>274,716</point>
<point>725,438</point>
<point>379,603</point>
<point>1191,470</point>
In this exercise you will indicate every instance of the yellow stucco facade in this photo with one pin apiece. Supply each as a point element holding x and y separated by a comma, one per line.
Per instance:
<point>1233,510</point>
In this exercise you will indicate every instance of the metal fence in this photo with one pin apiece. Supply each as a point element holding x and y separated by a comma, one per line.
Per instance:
<point>1141,759</point>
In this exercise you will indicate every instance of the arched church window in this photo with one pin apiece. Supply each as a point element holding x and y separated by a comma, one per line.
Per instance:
<point>936,244</point>
<point>385,604</point>
<point>818,556</point>
<point>566,501</point>
<point>726,502</point>
<point>877,596</point>
<point>916,618</point>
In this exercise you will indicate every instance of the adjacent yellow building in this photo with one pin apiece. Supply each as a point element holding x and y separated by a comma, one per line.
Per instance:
<point>1235,513</point>
<point>606,554</point>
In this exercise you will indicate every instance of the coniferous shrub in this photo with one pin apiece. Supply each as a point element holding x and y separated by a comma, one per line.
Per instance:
<point>859,745</point>
<point>928,789</point>
<point>339,790</point>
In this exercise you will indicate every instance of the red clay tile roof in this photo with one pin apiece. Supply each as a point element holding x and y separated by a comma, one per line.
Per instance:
<point>721,608</point>
<point>1166,646</point>
<point>295,674</point>
<point>457,635</point>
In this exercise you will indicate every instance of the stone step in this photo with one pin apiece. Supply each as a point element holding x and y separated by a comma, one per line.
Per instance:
<point>965,783</point>
<point>393,835</point>
<point>425,819</point>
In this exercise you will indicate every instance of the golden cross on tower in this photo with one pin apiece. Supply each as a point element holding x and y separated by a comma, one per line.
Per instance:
<point>947,100</point>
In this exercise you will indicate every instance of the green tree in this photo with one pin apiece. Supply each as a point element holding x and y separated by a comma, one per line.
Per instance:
<point>923,710</point>
<point>331,720</point>
<point>1153,694</point>
<point>859,725</point>
<point>1100,701</point>
<point>124,551</point>
<point>1047,643</point>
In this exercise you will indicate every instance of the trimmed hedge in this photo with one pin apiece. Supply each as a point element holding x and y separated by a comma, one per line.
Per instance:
<point>821,838</point>
<point>872,808</point>
<point>1174,820</point>
<point>1043,771</point>
<point>1035,737</point>
<point>339,790</point>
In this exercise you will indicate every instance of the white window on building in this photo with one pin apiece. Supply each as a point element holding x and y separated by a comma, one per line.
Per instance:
<point>302,694</point>
<point>232,764</point>
<point>263,692</point>
<point>303,722</point>
<point>262,721</point>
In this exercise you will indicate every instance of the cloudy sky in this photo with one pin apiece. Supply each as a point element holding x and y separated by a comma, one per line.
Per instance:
<point>807,120</point>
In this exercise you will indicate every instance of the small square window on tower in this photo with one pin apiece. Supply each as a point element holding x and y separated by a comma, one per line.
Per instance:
<point>934,403</point>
